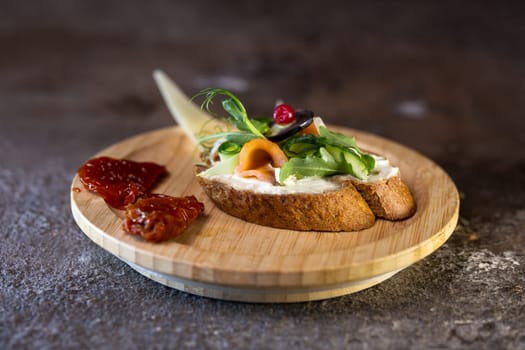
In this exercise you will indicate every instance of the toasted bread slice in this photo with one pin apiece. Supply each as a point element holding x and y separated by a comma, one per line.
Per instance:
<point>389,198</point>
<point>343,209</point>
<point>353,206</point>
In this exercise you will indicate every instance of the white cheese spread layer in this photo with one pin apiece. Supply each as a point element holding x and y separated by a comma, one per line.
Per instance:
<point>383,170</point>
<point>305,185</point>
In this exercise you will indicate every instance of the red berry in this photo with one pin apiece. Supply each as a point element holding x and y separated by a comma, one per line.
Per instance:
<point>283,114</point>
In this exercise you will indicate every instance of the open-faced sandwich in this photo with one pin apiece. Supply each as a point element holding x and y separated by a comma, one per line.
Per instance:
<point>292,172</point>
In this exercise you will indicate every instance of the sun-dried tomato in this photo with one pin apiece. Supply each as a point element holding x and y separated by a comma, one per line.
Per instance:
<point>119,181</point>
<point>157,217</point>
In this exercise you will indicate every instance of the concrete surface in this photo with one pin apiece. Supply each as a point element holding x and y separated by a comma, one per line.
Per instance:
<point>444,78</point>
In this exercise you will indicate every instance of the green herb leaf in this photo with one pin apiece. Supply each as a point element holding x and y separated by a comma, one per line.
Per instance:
<point>360,163</point>
<point>309,166</point>
<point>354,165</point>
<point>226,134</point>
<point>228,149</point>
<point>301,145</point>
<point>335,138</point>
<point>262,124</point>
<point>369,160</point>
<point>233,106</point>
<point>328,154</point>
<point>349,162</point>
<point>240,138</point>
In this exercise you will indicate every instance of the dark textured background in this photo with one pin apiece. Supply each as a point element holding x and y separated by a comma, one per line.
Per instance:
<point>445,78</point>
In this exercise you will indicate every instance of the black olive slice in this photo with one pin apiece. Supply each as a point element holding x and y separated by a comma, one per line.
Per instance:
<point>303,118</point>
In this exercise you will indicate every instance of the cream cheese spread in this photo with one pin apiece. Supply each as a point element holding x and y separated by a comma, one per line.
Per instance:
<point>383,170</point>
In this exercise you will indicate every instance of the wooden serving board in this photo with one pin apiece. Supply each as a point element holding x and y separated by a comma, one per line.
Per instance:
<point>224,257</point>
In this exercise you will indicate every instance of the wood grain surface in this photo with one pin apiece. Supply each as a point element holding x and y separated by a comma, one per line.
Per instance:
<point>224,257</point>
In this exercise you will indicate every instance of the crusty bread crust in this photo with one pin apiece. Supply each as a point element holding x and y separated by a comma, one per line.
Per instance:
<point>353,207</point>
<point>340,210</point>
<point>389,199</point>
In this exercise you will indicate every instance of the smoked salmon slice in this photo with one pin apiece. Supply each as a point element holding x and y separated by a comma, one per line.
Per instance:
<point>259,158</point>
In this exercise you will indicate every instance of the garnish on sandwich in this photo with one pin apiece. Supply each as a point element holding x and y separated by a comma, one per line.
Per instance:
<point>303,144</point>
<point>291,171</point>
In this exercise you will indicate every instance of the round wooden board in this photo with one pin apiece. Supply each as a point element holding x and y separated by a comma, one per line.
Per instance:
<point>224,257</point>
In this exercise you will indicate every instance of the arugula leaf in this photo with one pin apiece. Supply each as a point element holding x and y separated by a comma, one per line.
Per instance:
<point>326,156</point>
<point>350,162</point>
<point>262,124</point>
<point>352,154</point>
<point>369,160</point>
<point>315,156</point>
<point>309,166</point>
<point>355,166</point>
<point>301,145</point>
<point>336,138</point>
